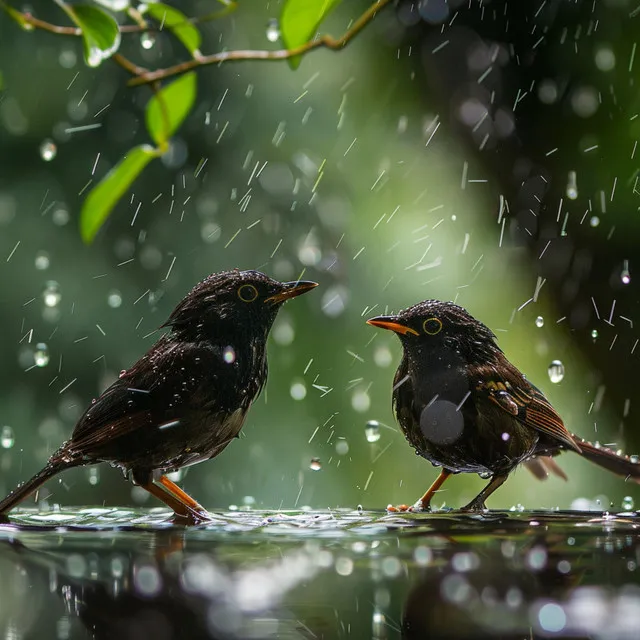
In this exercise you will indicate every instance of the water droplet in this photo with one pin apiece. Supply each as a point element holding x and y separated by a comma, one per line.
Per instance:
<point>634,459</point>
<point>7,439</point>
<point>51,294</point>
<point>594,334</point>
<point>625,276</point>
<point>342,447</point>
<point>372,431</point>
<point>594,221</point>
<point>539,322</point>
<point>283,332</point>
<point>229,355</point>
<point>273,30</point>
<point>627,503</point>
<point>485,475</point>
<point>382,356</point>
<point>42,260</point>
<point>122,374</point>
<point>93,475</point>
<point>298,391</point>
<point>572,186</point>
<point>361,401</point>
<point>41,355</point>
<point>147,40</point>
<point>48,150</point>
<point>556,371</point>
<point>95,57</point>
<point>315,464</point>
<point>114,299</point>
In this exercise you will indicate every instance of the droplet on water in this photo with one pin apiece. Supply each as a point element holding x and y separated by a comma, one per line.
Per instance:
<point>539,322</point>
<point>51,294</point>
<point>315,464</point>
<point>372,431</point>
<point>7,439</point>
<point>48,150</point>
<point>41,355</point>
<point>147,40</point>
<point>556,371</point>
<point>627,503</point>
<point>273,30</point>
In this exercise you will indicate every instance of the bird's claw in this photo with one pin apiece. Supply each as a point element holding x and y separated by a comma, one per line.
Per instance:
<point>418,507</point>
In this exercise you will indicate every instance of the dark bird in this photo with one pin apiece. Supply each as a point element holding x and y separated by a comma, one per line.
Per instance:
<point>464,407</point>
<point>187,398</point>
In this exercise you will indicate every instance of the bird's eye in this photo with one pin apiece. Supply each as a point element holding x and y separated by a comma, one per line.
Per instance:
<point>432,326</point>
<point>247,293</point>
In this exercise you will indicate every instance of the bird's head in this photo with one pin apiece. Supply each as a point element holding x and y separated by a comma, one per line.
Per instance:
<point>244,300</point>
<point>434,325</point>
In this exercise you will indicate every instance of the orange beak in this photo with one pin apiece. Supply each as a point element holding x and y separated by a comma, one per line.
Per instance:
<point>391,323</point>
<point>291,290</point>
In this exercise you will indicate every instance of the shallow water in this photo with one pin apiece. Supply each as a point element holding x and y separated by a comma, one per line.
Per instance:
<point>107,573</point>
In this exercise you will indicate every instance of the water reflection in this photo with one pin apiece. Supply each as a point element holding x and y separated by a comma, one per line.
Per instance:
<point>108,573</point>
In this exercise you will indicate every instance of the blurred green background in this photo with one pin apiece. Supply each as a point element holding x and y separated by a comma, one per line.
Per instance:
<point>417,163</point>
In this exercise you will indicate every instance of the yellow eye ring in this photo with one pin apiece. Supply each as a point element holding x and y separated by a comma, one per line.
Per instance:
<point>432,326</point>
<point>247,293</point>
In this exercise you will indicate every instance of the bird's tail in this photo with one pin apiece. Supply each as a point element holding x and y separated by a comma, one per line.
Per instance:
<point>617,462</point>
<point>30,486</point>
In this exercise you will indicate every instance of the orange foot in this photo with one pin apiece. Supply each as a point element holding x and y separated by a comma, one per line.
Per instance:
<point>418,507</point>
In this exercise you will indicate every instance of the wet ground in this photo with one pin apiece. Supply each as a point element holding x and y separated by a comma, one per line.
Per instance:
<point>116,573</point>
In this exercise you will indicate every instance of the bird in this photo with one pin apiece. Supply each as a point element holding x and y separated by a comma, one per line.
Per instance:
<point>185,399</point>
<point>464,407</point>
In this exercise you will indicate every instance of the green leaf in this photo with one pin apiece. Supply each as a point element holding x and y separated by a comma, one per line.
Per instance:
<point>174,20</point>
<point>300,20</point>
<point>100,32</point>
<point>168,108</point>
<point>17,16</point>
<point>105,195</point>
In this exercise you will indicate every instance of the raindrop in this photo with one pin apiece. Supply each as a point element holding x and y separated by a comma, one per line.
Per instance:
<point>556,371</point>
<point>147,40</point>
<point>315,464</point>
<point>51,294</point>
<point>93,475</point>
<point>229,355</point>
<point>342,447</point>
<point>114,299</point>
<point>41,355</point>
<point>605,58</point>
<point>42,260</point>
<point>48,150</point>
<point>594,334</point>
<point>372,431</point>
<point>273,30</point>
<point>572,186</point>
<point>627,503</point>
<point>298,391</point>
<point>7,439</point>
<point>634,459</point>
<point>382,356</point>
<point>485,475</point>
<point>283,333</point>
<point>625,276</point>
<point>361,401</point>
<point>539,322</point>
<point>594,221</point>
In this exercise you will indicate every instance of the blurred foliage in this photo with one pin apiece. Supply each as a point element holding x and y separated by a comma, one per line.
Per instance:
<point>380,171</point>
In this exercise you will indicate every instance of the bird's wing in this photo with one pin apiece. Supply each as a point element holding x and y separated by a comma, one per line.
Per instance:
<point>509,390</point>
<point>159,389</point>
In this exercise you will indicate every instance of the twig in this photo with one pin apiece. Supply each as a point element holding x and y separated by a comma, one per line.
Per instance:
<point>326,41</point>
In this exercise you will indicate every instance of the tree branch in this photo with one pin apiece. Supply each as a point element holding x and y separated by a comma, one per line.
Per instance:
<point>326,42</point>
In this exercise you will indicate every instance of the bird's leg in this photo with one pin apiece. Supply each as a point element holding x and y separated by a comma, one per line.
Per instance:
<point>187,512</point>
<point>477,504</point>
<point>184,498</point>
<point>424,504</point>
